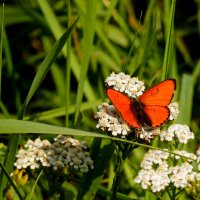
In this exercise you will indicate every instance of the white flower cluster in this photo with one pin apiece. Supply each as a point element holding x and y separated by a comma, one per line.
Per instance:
<point>70,152</point>
<point>182,175</point>
<point>126,84</point>
<point>154,172</point>
<point>34,155</point>
<point>110,120</point>
<point>156,175</point>
<point>181,132</point>
<point>64,152</point>
<point>174,110</point>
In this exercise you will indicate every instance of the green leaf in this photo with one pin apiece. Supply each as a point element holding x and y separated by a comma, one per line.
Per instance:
<point>13,126</point>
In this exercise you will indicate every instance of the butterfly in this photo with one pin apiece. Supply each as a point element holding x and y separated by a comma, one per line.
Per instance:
<point>149,110</point>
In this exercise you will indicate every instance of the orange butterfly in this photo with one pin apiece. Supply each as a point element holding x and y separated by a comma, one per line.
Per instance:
<point>150,109</point>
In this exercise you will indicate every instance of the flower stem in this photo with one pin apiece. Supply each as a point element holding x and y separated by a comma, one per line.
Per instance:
<point>122,153</point>
<point>117,178</point>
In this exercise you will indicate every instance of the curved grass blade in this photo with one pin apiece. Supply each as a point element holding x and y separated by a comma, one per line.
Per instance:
<point>45,66</point>
<point>11,181</point>
<point>88,37</point>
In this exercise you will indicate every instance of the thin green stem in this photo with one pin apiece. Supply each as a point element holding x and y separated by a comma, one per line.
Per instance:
<point>117,178</point>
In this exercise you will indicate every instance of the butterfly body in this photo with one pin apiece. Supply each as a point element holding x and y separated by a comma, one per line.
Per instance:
<point>138,107</point>
<point>149,110</point>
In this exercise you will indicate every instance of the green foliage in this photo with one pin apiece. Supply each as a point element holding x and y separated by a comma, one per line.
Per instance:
<point>54,58</point>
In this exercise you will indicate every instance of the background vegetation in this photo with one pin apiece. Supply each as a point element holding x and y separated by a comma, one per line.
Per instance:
<point>42,83</point>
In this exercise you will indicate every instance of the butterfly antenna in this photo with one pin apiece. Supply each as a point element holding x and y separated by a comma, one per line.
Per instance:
<point>131,49</point>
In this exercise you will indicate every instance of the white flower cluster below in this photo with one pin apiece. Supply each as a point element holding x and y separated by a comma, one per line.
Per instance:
<point>156,174</point>
<point>63,152</point>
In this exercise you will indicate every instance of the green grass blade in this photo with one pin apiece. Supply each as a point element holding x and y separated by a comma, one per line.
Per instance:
<point>31,193</point>
<point>169,42</point>
<point>186,97</point>
<point>56,30</point>
<point>11,181</point>
<point>50,18</point>
<point>146,42</point>
<point>60,112</point>
<point>88,37</point>
<point>108,45</point>
<point>45,66</point>
<point>9,160</point>
<point>12,126</point>
<point>1,47</point>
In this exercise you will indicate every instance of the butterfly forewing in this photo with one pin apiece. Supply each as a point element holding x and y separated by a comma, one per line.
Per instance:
<point>123,104</point>
<point>159,95</point>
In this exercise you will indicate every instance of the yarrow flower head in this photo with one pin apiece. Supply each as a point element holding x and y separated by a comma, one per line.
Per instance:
<point>181,175</point>
<point>110,120</point>
<point>126,84</point>
<point>181,132</point>
<point>63,152</point>
<point>174,111</point>
<point>154,172</point>
<point>34,155</point>
<point>156,175</point>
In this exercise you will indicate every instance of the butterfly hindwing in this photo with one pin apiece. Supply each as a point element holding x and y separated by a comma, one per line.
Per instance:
<point>157,115</point>
<point>123,104</point>
<point>159,95</point>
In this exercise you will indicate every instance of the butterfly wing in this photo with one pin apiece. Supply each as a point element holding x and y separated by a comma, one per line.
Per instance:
<point>123,104</point>
<point>156,115</point>
<point>159,95</point>
<point>155,101</point>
